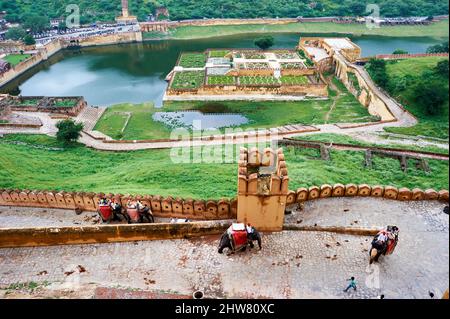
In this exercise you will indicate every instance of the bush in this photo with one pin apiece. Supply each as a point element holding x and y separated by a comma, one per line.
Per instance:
<point>378,72</point>
<point>400,51</point>
<point>29,40</point>
<point>265,42</point>
<point>431,95</point>
<point>442,68</point>
<point>68,131</point>
<point>438,48</point>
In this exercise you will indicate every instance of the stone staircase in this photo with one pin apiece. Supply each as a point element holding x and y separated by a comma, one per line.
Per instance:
<point>89,117</point>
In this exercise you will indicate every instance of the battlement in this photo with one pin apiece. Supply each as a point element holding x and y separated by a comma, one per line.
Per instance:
<point>262,173</point>
<point>263,186</point>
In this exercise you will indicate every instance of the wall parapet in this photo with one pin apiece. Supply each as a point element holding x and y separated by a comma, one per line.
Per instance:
<point>164,207</point>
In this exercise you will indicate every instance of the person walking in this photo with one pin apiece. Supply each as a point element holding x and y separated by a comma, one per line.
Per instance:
<point>352,284</point>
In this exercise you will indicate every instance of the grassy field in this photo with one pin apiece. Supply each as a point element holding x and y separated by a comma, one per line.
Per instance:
<point>345,139</point>
<point>439,29</point>
<point>259,114</point>
<point>140,126</point>
<point>39,162</point>
<point>435,126</point>
<point>15,59</point>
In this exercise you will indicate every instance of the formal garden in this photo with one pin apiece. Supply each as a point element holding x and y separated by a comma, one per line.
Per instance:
<point>294,80</point>
<point>188,80</point>
<point>221,80</point>
<point>218,53</point>
<point>192,60</point>
<point>258,80</point>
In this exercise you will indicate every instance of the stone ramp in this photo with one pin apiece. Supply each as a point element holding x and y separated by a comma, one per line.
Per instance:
<point>89,117</point>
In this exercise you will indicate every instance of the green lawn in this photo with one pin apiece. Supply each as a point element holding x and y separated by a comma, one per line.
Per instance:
<point>439,30</point>
<point>435,126</point>
<point>141,126</point>
<point>39,162</point>
<point>15,59</point>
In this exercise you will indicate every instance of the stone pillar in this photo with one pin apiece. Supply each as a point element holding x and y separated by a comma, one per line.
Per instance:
<point>262,189</point>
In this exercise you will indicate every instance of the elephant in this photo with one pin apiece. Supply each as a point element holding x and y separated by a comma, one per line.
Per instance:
<point>383,243</point>
<point>252,235</point>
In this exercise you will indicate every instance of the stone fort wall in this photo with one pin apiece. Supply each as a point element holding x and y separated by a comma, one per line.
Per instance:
<point>169,207</point>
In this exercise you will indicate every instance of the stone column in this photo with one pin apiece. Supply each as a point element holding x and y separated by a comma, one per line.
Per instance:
<point>262,188</point>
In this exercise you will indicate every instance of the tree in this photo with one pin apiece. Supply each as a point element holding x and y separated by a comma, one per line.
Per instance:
<point>29,40</point>
<point>36,24</point>
<point>400,51</point>
<point>431,95</point>
<point>438,48</point>
<point>442,68</point>
<point>377,70</point>
<point>265,42</point>
<point>15,33</point>
<point>68,131</point>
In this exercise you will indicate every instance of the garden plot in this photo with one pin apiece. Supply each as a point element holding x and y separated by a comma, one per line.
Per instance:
<point>287,55</point>
<point>292,65</point>
<point>294,80</point>
<point>256,65</point>
<point>192,60</point>
<point>258,80</point>
<point>218,53</point>
<point>188,80</point>
<point>221,80</point>
<point>254,56</point>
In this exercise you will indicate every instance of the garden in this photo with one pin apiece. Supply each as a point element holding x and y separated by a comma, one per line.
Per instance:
<point>294,80</point>
<point>188,80</point>
<point>221,80</point>
<point>254,56</point>
<point>258,80</point>
<point>218,53</point>
<point>65,103</point>
<point>255,65</point>
<point>192,60</point>
<point>15,59</point>
<point>286,55</point>
<point>292,65</point>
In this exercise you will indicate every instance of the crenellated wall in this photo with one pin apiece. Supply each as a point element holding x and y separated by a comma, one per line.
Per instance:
<point>165,207</point>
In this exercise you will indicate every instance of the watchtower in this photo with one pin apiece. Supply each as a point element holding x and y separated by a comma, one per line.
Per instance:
<point>263,185</point>
<point>126,18</point>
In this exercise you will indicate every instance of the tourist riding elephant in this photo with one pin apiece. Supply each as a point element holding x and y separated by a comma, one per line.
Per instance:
<point>238,237</point>
<point>384,243</point>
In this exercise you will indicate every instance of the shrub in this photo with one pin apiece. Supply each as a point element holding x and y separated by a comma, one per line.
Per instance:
<point>68,131</point>
<point>265,42</point>
<point>431,95</point>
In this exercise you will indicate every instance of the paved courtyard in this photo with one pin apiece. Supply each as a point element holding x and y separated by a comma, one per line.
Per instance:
<point>292,264</point>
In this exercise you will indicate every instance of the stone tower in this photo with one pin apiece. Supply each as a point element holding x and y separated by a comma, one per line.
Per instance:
<point>263,185</point>
<point>125,12</point>
<point>125,17</point>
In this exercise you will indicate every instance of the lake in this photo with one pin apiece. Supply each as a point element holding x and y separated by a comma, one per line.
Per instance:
<point>136,72</point>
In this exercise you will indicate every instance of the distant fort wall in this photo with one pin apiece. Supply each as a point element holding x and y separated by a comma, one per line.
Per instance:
<point>45,52</point>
